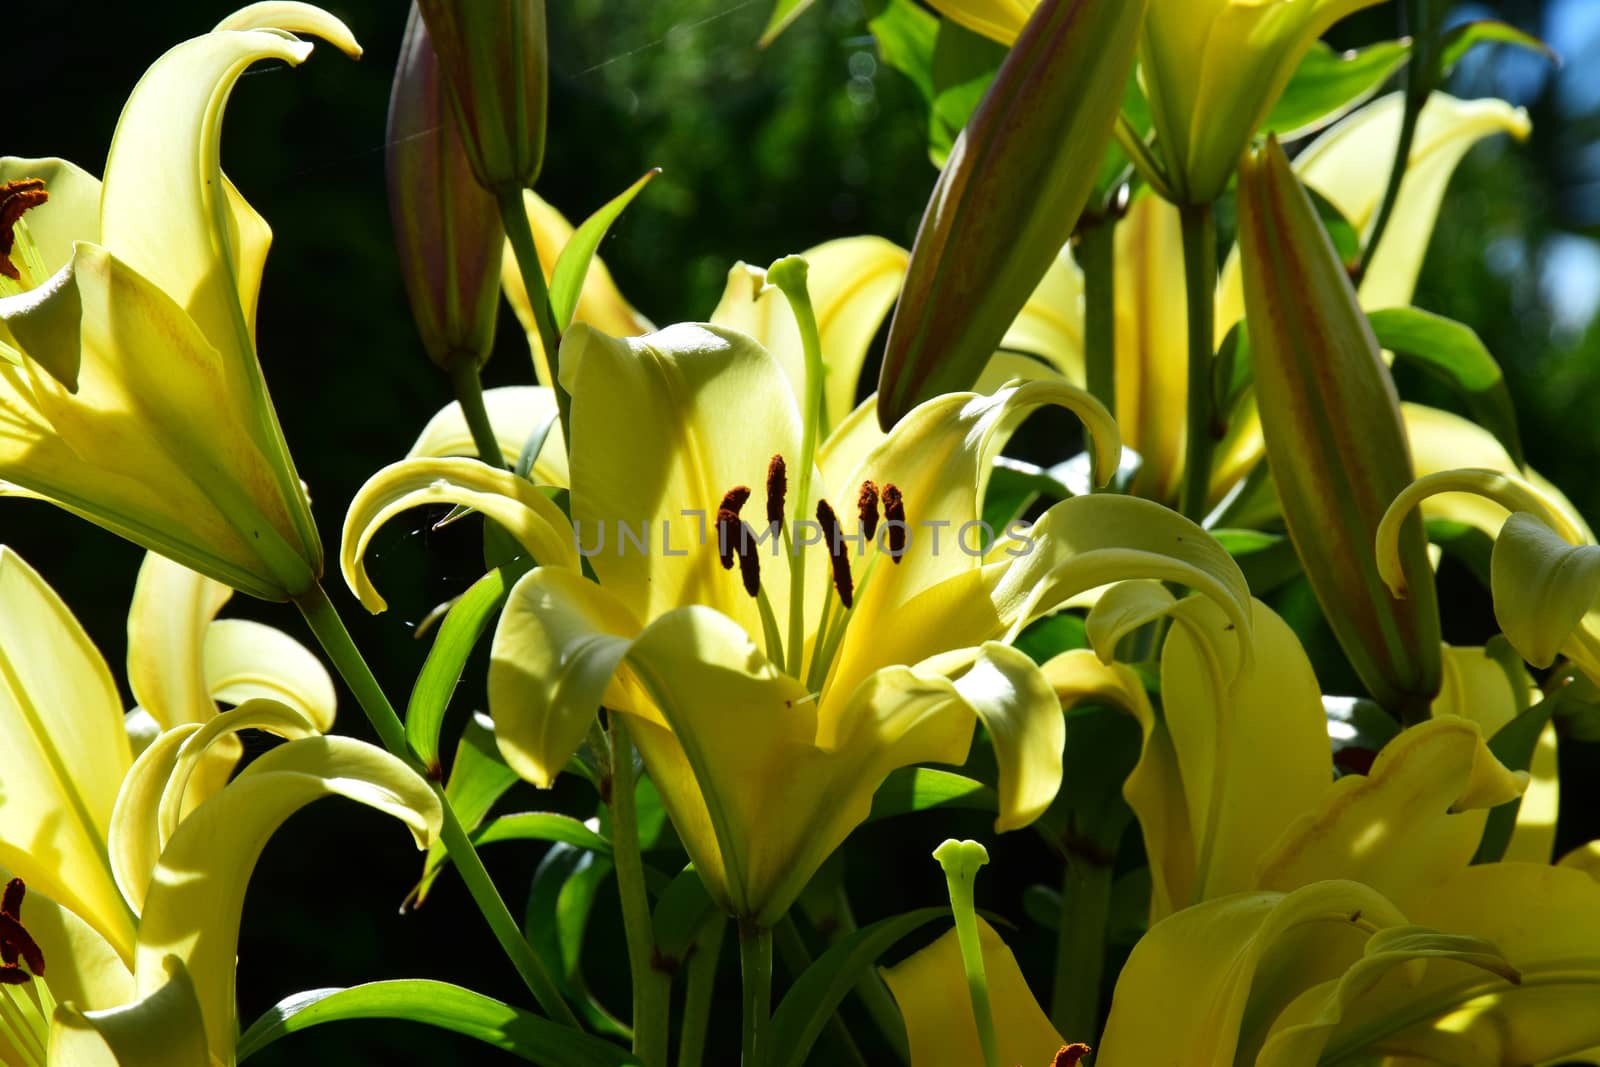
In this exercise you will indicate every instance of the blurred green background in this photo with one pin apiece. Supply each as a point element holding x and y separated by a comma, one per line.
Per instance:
<point>763,153</point>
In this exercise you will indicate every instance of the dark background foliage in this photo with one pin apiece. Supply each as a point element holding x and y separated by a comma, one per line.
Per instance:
<point>763,154</point>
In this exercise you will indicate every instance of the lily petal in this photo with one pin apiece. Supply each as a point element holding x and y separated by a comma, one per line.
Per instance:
<point>71,214</point>
<point>998,20</point>
<point>1415,818</point>
<point>84,967</point>
<point>515,412</point>
<point>1221,947</point>
<point>662,427</point>
<point>66,753</point>
<point>930,988</point>
<point>164,1028</point>
<point>514,503</point>
<point>296,18</point>
<point>247,660</point>
<point>172,607</point>
<point>196,895</point>
<point>149,449</point>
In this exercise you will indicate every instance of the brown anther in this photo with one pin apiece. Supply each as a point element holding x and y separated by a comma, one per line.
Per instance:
<point>777,487</point>
<point>15,940</point>
<point>15,198</point>
<point>894,515</point>
<point>728,525</point>
<point>1071,1054</point>
<point>837,556</point>
<point>867,509</point>
<point>749,562</point>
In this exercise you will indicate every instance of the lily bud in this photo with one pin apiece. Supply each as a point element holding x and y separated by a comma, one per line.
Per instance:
<point>1213,69</point>
<point>1009,196</point>
<point>1334,436</point>
<point>496,62</point>
<point>446,226</point>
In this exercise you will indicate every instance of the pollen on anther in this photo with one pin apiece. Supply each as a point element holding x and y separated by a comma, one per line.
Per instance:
<point>843,583</point>
<point>749,562</point>
<point>1069,1055</point>
<point>894,517</point>
<point>15,940</point>
<point>867,509</point>
<point>15,198</point>
<point>777,488</point>
<point>734,499</point>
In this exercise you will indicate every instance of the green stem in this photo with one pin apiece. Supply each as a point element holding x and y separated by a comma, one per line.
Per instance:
<point>652,988</point>
<point>870,990</point>
<point>514,218</point>
<point>755,968</point>
<point>1423,18</point>
<point>966,916</point>
<point>330,630</point>
<point>1200,284</point>
<point>699,989</point>
<point>1096,254</point>
<point>468,387</point>
<point>797,960</point>
<point>1081,948</point>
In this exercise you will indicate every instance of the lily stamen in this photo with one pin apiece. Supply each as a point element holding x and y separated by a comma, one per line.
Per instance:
<point>867,509</point>
<point>838,557</point>
<point>728,523</point>
<point>1071,1054</point>
<point>15,198</point>
<point>777,487</point>
<point>15,940</point>
<point>894,517</point>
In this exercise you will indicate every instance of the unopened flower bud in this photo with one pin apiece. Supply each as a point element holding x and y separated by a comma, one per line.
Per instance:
<point>446,226</point>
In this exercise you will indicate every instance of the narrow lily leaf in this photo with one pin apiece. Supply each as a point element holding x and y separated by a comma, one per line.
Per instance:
<point>542,826</point>
<point>1329,84</point>
<point>533,447</point>
<point>440,1004</point>
<point>963,65</point>
<point>441,671</point>
<point>913,789</point>
<point>1036,140</point>
<point>1334,437</point>
<point>1461,40</point>
<point>566,283</point>
<point>1267,560</point>
<point>1454,352</point>
<point>784,12</point>
<point>813,998</point>
<point>478,778</point>
<point>682,911</point>
<point>905,34</point>
<point>559,905</point>
<point>1513,745</point>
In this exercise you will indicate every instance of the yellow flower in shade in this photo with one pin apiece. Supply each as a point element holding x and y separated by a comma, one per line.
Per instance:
<point>766,715</point>
<point>127,874</point>
<point>1212,71</point>
<point>130,393</point>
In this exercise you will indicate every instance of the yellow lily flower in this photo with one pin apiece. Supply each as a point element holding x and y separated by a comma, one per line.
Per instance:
<point>131,872</point>
<point>132,395</point>
<point>895,657</point>
<point>1212,71</point>
<point>1544,569</point>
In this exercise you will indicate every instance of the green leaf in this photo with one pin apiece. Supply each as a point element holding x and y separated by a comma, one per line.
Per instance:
<point>1090,814</point>
<point>1051,636</point>
<point>478,778</point>
<point>1575,707</point>
<point>1230,374</point>
<point>440,1004</point>
<point>542,826</point>
<point>1042,904</point>
<point>905,35</point>
<point>1328,84</point>
<point>1513,745</point>
<point>1463,38</point>
<point>566,281</point>
<point>911,789</point>
<point>1267,559</point>
<point>559,905</point>
<point>784,12</point>
<point>1346,241</point>
<point>681,913</point>
<point>1454,353</point>
<point>817,993</point>
<point>468,618</point>
<point>963,66</point>
<point>534,445</point>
